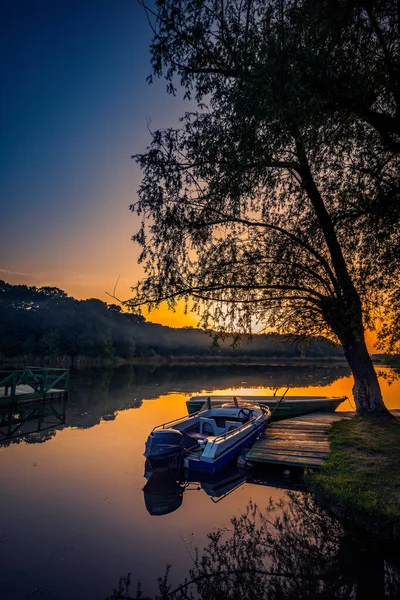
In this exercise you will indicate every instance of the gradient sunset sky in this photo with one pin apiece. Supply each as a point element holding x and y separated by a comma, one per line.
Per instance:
<point>74,107</point>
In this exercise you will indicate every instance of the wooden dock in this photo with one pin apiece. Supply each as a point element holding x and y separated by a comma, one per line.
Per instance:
<point>33,384</point>
<point>300,442</point>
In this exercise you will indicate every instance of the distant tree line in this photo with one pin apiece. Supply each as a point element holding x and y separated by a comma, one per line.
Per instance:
<point>45,321</point>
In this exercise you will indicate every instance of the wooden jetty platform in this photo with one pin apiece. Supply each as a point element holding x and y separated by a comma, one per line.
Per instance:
<point>301,441</point>
<point>298,442</point>
<point>33,384</point>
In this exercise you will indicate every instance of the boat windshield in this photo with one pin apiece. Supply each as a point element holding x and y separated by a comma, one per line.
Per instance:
<point>225,402</point>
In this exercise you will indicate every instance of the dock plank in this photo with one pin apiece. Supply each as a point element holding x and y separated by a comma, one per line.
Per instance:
<point>263,442</point>
<point>294,436</point>
<point>290,452</point>
<point>292,461</point>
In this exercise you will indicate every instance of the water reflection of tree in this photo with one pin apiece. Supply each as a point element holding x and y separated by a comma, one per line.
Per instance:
<point>292,550</point>
<point>31,438</point>
<point>96,394</point>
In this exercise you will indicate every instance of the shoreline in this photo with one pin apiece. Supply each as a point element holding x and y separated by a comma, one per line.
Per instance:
<point>360,481</point>
<point>87,362</point>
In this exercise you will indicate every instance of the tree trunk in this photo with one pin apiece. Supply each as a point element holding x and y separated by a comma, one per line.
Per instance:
<point>345,314</point>
<point>366,390</point>
<point>346,320</point>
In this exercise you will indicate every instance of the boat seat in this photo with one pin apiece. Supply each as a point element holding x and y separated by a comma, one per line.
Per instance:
<point>208,426</point>
<point>229,425</point>
<point>197,436</point>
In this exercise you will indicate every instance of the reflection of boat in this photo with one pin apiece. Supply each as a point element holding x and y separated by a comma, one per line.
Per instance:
<point>281,408</point>
<point>208,440</point>
<point>163,492</point>
<point>218,487</point>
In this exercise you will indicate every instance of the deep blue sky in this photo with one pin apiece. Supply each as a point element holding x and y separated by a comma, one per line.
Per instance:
<point>74,107</point>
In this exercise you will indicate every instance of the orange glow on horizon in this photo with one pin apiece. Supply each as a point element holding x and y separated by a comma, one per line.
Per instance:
<point>102,286</point>
<point>177,318</point>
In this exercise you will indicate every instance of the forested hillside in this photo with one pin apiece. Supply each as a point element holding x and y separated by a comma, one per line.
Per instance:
<point>45,321</point>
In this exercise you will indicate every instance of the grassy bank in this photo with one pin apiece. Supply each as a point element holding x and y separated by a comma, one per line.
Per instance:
<point>361,479</point>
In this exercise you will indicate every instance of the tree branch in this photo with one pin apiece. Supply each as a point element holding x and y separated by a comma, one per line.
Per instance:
<point>192,290</point>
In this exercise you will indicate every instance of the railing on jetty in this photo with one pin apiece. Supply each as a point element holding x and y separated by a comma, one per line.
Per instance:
<point>33,384</point>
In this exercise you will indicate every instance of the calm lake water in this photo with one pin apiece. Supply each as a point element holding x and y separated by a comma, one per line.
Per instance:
<point>73,513</point>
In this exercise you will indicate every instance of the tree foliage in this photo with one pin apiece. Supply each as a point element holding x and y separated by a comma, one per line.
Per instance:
<point>46,322</point>
<point>278,193</point>
<point>277,199</point>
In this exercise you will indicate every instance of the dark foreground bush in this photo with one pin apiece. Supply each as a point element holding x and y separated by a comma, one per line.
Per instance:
<point>292,550</point>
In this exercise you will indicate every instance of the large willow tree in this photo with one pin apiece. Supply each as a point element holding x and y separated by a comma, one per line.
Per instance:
<point>277,198</point>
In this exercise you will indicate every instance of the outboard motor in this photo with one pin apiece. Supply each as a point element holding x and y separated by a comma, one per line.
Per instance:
<point>166,446</point>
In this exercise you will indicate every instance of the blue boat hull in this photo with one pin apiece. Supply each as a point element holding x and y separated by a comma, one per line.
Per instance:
<point>226,457</point>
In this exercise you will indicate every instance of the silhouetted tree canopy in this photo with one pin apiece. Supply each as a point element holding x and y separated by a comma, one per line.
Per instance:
<point>47,322</point>
<point>277,200</point>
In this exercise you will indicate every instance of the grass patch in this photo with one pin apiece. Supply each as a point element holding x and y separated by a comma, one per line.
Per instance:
<point>361,478</point>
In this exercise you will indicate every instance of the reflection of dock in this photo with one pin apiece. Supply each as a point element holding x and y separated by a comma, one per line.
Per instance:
<point>32,384</point>
<point>31,418</point>
<point>300,442</point>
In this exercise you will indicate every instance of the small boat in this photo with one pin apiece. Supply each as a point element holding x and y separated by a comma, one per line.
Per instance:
<point>207,440</point>
<point>284,407</point>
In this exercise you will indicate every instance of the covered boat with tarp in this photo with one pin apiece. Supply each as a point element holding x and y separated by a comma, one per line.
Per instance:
<point>281,406</point>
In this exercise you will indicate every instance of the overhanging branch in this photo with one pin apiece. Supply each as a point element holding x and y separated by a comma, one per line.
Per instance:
<point>311,295</point>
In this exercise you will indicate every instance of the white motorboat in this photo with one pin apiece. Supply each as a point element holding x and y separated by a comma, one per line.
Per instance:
<point>207,440</point>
